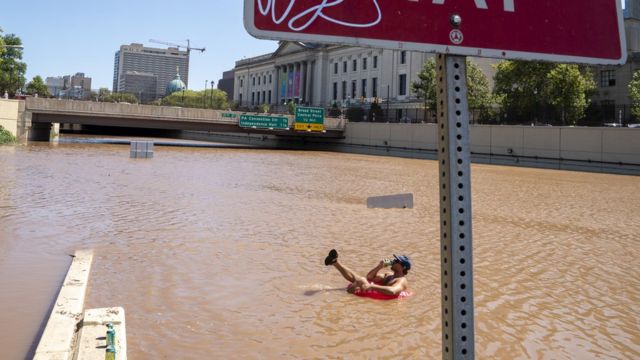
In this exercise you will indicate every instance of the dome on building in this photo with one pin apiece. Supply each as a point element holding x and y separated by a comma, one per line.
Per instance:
<point>175,85</point>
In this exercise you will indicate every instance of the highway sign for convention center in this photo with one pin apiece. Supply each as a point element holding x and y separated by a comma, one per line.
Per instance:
<point>564,31</point>
<point>309,119</point>
<point>264,122</point>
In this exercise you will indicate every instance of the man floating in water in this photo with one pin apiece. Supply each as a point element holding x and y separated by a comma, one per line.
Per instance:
<point>390,282</point>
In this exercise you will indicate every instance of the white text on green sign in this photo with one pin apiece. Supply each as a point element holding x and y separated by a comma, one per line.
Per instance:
<point>309,115</point>
<point>264,122</point>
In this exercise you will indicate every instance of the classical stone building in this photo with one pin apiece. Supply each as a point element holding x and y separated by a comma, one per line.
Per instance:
<point>612,95</point>
<point>323,75</point>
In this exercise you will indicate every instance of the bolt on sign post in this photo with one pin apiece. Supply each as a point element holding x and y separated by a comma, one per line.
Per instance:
<point>564,31</point>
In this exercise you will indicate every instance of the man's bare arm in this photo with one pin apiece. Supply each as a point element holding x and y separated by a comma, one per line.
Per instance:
<point>395,289</point>
<point>373,274</point>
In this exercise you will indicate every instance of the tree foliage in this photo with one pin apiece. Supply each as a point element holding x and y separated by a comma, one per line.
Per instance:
<point>479,93</point>
<point>37,86</point>
<point>425,87</point>
<point>6,137</point>
<point>634,93</point>
<point>567,89</point>
<point>525,88</point>
<point>12,70</point>
<point>209,99</point>
<point>375,113</point>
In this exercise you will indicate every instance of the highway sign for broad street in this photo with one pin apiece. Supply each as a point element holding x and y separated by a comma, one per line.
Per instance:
<point>264,122</point>
<point>564,31</point>
<point>309,119</point>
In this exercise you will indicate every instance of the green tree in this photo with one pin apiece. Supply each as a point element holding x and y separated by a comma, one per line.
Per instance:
<point>37,86</point>
<point>425,87</point>
<point>524,88</point>
<point>291,107</point>
<point>478,94</point>
<point>634,94</point>
<point>12,70</point>
<point>6,137</point>
<point>567,89</point>
<point>216,99</point>
<point>103,94</point>
<point>375,113</point>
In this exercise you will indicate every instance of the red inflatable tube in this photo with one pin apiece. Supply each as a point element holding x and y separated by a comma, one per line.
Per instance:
<point>380,296</point>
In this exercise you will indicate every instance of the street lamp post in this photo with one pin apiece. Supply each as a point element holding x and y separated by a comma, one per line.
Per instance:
<point>204,95</point>
<point>212,93</point>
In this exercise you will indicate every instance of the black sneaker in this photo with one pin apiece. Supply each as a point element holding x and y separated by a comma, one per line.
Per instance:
<point>331,258</point>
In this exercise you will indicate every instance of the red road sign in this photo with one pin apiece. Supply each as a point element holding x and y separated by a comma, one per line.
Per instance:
<point>585,31</point>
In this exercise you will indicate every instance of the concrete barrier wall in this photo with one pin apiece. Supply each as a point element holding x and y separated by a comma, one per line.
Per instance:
<point>611,145</point>
<point>10,111</point>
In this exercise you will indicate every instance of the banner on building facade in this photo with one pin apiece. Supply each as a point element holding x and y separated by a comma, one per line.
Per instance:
<point>283,84</point>
<point>290,84</point>
<point>296,84</point>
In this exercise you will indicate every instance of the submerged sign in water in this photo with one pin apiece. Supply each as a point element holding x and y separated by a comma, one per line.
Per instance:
<point>564,31</point>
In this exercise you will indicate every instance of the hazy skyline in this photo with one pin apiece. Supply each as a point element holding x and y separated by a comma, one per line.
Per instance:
<point>74,36</point>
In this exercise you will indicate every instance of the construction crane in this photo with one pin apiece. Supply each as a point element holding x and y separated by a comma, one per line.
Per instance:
<point>188,47</point>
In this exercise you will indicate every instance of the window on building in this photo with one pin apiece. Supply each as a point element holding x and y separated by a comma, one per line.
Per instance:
<point>607,78</point>
<point>375,62</point>
<point>335,91</point>
<point>269,96</point>
<point>270,79</point>
<point>374,87</point>
<point>241,82</point>
<point>258,80</point>
<point>264,96</point>
<point>344,90</point>
<point>344,66</point>
<point>353,89</point>
<point>355,65</point>
<point>364,88</point>
<point>240,98</point>
<point>402,90</point>
<point>364,63</point>
<point>403,57</point>
<point>335,68</point>
<point>253,80</point>
<point>253,98</point>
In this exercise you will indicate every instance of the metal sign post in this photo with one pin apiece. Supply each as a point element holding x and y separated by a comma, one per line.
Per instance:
<point>456,259</point>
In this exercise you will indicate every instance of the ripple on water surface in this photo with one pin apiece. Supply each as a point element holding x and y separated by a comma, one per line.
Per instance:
<point>218,252</point>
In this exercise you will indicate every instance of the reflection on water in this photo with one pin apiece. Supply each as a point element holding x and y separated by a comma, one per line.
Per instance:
<point>219,252</point>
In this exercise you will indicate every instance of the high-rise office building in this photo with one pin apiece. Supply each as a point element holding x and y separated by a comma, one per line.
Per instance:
<point>161,63</point>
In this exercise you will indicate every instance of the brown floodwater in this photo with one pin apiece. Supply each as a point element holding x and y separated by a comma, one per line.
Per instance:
<point>218,253</point>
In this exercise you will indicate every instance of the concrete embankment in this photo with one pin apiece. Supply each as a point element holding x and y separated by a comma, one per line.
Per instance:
<point>599,149</point>
<point>73,333</point>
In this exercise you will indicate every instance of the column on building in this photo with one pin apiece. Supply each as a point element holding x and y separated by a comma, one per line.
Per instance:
<point>307,82</point>
<point>276,95</point>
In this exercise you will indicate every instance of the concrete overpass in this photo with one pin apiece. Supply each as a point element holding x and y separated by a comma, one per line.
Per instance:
<point>36,116</point>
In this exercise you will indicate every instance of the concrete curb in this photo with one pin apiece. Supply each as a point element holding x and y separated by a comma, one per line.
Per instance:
<point>59,336</point>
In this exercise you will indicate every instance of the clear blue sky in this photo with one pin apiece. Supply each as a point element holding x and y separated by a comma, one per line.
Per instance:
<point>65,37</point>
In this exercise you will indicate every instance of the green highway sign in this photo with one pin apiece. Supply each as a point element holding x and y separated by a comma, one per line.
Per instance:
<point>264,122</point>
<point>229,115</point>
<point>309,119</point>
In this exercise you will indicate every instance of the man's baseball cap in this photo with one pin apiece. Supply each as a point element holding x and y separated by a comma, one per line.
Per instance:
<point>404,260</point>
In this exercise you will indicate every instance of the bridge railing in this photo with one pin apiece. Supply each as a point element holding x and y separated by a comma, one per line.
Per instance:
<point>174,113</point>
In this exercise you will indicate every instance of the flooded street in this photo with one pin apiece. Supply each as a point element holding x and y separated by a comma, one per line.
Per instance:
<point>218,253</point>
